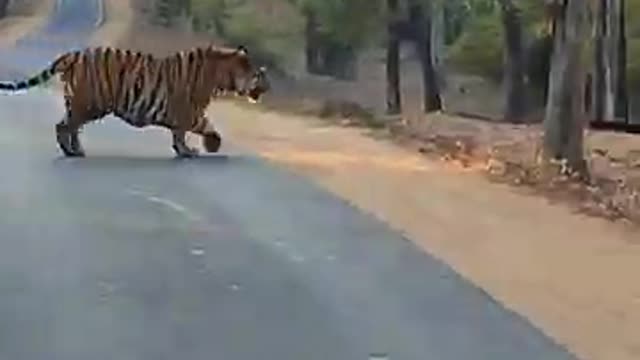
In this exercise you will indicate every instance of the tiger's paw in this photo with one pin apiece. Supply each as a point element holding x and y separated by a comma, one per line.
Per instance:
<point>76,153</point>
<point>185,152</point>
<point>212,142</point>
<point>68,150</point>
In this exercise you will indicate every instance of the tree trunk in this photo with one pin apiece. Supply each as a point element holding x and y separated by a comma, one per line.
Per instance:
<point>312,44</point>
<point>605,63</point>
<point>622,95</point>
<point>438,43</point>
<point>516,96</point>
<point>219,26</point>
<point>420,18</point>
<point>394,104</point>
<point>326,57</point>
<point>340,61</point>
<point>4,7</point>
<point>564,117</point>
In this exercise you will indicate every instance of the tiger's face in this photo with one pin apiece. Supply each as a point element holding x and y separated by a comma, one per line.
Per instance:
<point>241,77</point>
<point>258,85</point>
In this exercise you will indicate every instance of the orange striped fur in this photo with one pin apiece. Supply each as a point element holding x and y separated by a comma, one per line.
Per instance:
<point>172,92</point>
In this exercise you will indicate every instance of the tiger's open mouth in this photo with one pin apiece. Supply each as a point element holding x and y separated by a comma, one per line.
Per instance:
<point>254,95</point>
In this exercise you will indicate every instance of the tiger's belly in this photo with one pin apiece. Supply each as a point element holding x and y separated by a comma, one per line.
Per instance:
<point>138,121</point>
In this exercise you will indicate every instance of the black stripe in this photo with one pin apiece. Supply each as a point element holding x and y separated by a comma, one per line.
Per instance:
<point>156,87</point>
<point>107,74</point>
<point>8,86</point>
<point>33,81</point>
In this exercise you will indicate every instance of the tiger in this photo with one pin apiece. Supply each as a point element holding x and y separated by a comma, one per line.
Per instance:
<point>170,92</point>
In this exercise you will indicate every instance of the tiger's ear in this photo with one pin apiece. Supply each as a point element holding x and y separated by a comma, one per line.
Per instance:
<point>242,50</point>
<point>262,69</point>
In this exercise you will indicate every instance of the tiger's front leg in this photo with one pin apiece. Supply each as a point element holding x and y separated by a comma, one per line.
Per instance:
<point>180,146</point>
<point>211,138</point>
<point>212,142</point>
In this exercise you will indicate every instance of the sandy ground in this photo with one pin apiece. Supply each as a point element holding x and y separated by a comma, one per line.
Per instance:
<point>573,276</point>
<point>24,17</point>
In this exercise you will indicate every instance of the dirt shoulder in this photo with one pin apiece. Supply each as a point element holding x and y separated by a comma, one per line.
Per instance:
<point>24,17</point>
<point>572,275</point>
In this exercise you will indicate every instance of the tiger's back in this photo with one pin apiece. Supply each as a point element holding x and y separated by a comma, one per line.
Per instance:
<point>101,81</point>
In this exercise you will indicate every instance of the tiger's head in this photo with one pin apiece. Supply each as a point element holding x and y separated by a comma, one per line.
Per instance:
<point>238,75</point>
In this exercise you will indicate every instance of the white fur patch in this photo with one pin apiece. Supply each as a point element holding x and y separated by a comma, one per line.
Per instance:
<point>209,128</point>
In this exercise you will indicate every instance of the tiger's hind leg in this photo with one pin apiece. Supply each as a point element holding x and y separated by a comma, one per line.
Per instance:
<point>63,138</point>
<point>68,138</point>
<point>180,146</point>
<point>67,130</point>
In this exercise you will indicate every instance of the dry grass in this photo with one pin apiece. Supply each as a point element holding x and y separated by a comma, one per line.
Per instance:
<point>504,153</point>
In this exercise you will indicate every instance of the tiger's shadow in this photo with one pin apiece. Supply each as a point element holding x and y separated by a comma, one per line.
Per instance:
<point>127,162</point>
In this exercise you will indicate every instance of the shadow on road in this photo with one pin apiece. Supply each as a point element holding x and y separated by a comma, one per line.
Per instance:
<point>145,162</point>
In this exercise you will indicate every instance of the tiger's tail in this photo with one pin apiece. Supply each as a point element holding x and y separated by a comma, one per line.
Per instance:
<point>42,77</point>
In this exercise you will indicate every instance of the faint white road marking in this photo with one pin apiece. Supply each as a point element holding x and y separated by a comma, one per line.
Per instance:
<point>170,204</point>
<point>289,251</point>
<point>197,252</point>
<point>378,357</point>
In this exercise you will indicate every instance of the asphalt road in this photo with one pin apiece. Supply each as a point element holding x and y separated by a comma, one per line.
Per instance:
<point>131,254</point>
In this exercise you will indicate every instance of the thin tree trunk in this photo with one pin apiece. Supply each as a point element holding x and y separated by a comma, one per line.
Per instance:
<point>609,87</point>
<point>603,73</point>
<point>516,96</point>
<point>420,18</point>
<point>312,44</point>
<point>340,61</point>
<point>4,7</point>
<point>564,118</point>
<point>394,104</point>
<point>219,26</point>
<point>437,41</point>
<point>622,95</point>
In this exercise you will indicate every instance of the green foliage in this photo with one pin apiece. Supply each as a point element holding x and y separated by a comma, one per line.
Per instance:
<point>275,28</point>
<point>473,29</point>
<point>532,12</point>
<point>633,11</point>
<point>353,23</point>
<point>479,50</point>
<point>166,11</point>
<point>272,38</point>
<point>633,65</point>
<point>205,13</point>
